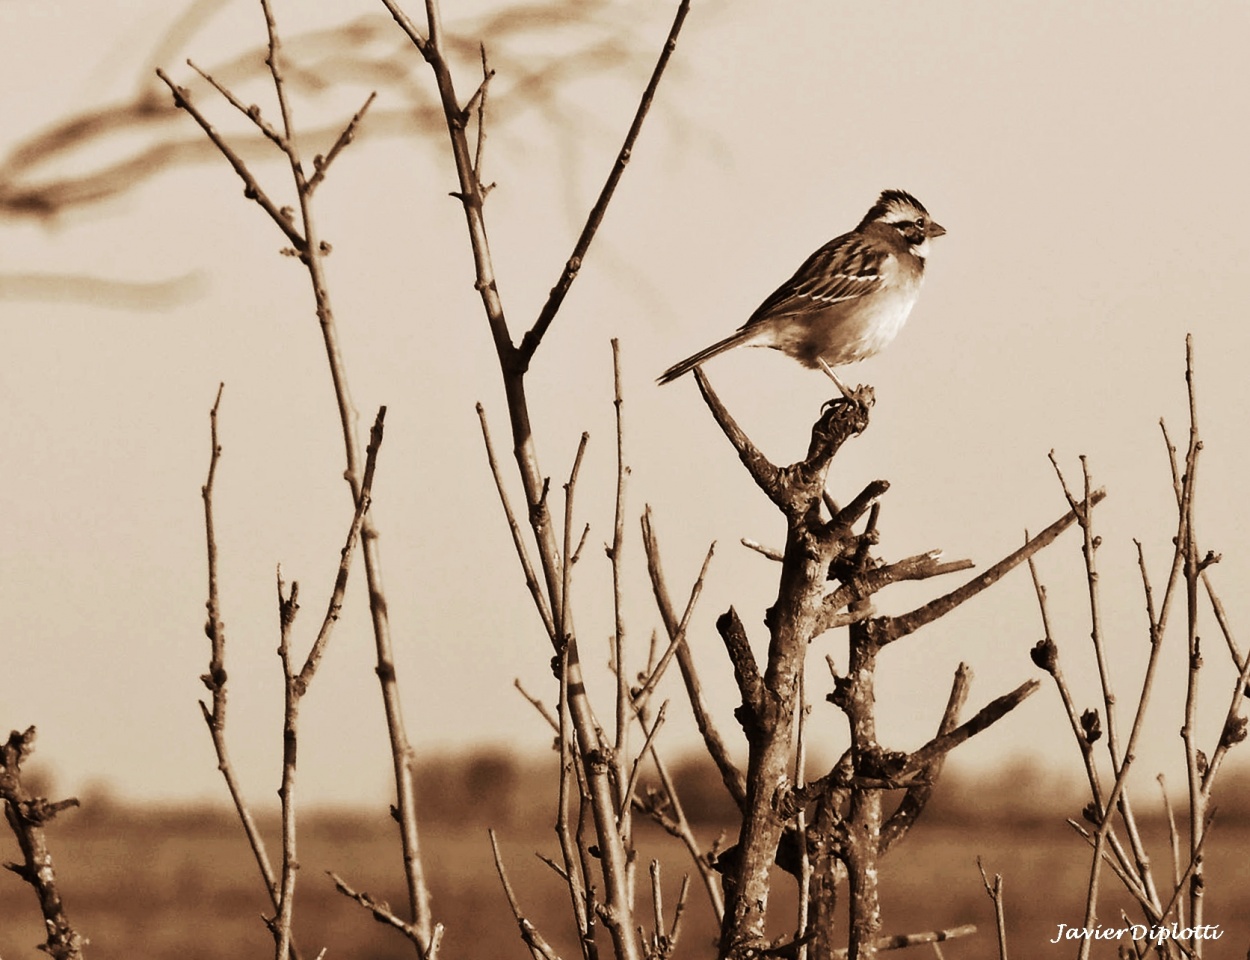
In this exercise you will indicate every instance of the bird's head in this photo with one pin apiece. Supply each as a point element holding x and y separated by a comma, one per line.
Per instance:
<point>901,211</point>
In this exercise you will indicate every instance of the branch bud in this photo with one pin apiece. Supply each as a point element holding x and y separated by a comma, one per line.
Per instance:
<point>1091,726</point>
<point>1234,732</point>
<point>1045,654</point>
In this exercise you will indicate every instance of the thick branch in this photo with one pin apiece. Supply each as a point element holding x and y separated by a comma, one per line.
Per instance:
<point>746,671</point>
<point>991,713</point>
<point>917,797</point>
<point>793,489</point>
<point>887,629</point>
<point>920,567</point>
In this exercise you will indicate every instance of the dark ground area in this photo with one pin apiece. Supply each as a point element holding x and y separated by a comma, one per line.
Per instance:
<point>181,883</point>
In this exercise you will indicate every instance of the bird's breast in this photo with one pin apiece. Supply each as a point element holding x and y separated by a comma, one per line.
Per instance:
<point>845,332</point>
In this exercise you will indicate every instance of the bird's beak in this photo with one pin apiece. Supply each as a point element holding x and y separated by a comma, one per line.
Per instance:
<point>934,229</point>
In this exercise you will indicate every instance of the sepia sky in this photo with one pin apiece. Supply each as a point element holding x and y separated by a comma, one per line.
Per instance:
<point>1088,160</point>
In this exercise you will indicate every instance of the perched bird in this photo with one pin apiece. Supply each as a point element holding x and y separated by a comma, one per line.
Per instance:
<point>849,299</point>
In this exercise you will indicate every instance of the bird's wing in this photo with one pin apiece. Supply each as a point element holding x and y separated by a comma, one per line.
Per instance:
<point>845,268</point>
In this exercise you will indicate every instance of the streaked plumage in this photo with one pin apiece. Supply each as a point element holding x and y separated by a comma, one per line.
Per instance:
<point>849,299</point>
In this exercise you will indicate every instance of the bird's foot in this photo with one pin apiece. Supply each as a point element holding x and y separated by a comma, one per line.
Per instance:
<point>862,395</point>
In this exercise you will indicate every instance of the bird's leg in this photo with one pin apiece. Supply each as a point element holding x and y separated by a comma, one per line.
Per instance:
<point>842,387</point>
<point>862,395</point>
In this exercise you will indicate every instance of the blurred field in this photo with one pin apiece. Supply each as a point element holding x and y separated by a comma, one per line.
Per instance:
<point>159,883</point>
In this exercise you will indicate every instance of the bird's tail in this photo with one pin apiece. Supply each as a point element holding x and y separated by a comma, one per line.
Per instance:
<point>735,339</point>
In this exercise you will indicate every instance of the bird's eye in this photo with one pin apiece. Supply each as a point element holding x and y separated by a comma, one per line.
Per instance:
<point>920,223</point>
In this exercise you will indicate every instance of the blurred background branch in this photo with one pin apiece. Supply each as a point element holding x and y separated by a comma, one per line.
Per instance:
<point>110,149</point>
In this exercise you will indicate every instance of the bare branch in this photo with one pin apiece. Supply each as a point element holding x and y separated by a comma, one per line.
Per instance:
<point>575,873</point>
<point>915,939</point>
<point>538,946</point>
<point>251,187</point>
<point>991,713</point>
<point>648,745</point>
<point>563,628</point>
<point>1174,842</point>
<point>734,781</point>
<point>888,629</point>
<point>772,553</point>
<point>1221,618</point>
<point>518,541</point>
<point>538,705</point>
<point>614,551</point>
<point>766,476</point>
<point>920,567</point>
<point>677,824</point>
<point>382,913</point>
<point>335,606</point>
<point>252,112</point>
<point>995,893</point>
<point>678,639</point>
<point>531,340</point>
<point>215,679</point>
<point>321,165</point>
<point>911,806</point>
<point>746,671</point>
<point>27,815</point>
<point>796,488</point>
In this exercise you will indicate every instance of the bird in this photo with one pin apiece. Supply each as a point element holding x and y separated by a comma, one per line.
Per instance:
<point>848,300</point>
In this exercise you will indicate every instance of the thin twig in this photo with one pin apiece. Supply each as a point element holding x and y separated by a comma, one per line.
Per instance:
<point>922,566</point>
<point>679,638</point>
<point>1221,618</point>
<point>335,606</point>
<point>678,825</point>
<point>288,607</point>
<point>1121,757</point>
<point>480,97</point>
<point>555,299</point>
<point>382,913</point>
<point>1174,842</point>
<point>311,250</point>
<point>252,112</point>
<point>563,623</point>
<point>518,541</point>
<point>674,932</point>
<point>321,164</point>
<point>538,946</point>
<point>917,797</point>
<point>915,939</point>
<point>623,701</point>
<point>772,553</point>
<point>1187,540</point>
<point>574,876</point>
<point>732,777</point>
<point>295,686</point>
<point>1195,863</point>
<point>215,679</point>
<point>766,476</point>
<point>1234,729</point>
<point>648,744</point>
<point>251,187</point>
<point>538,705</point>
<point>995,892</point>
<point>1126,878</point>
<point>991,713</point>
